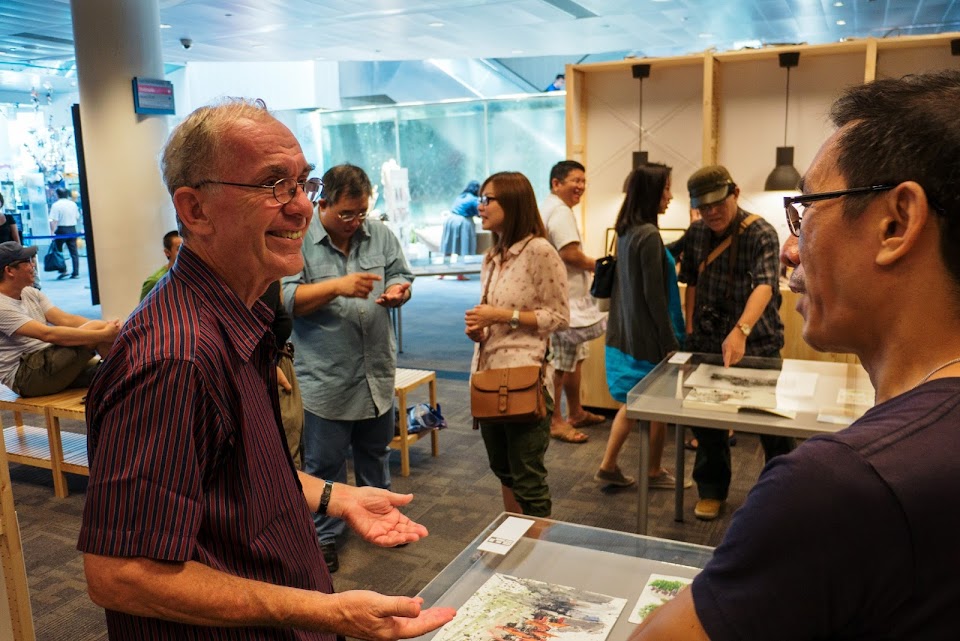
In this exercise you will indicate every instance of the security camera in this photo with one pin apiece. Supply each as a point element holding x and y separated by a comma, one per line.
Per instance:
<point>186,42</point>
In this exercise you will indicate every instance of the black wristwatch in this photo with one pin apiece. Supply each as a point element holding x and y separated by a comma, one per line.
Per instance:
<point>325,497</point>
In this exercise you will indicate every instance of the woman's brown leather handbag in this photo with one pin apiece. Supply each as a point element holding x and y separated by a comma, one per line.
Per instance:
<point>508,395</point>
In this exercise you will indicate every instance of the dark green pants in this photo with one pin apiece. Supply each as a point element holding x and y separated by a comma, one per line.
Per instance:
<point>516,452</point>
<point>54,369</point>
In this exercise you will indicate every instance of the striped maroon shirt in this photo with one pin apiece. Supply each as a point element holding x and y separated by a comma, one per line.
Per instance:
<point>187,456</point>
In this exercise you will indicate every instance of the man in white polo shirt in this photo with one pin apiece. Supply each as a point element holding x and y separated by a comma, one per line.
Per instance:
<point>569,347</point>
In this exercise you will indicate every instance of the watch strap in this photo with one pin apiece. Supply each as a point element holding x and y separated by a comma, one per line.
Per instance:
<point>325,497</point>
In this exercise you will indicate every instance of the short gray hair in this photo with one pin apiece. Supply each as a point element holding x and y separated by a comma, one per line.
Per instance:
<point>195,144</point>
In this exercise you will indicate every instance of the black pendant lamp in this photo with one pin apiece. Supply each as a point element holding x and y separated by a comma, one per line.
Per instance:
<point>640,157</point>
<point>784,176</point>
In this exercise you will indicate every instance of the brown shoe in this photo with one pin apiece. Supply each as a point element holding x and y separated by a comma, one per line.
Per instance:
<point>707,509</point>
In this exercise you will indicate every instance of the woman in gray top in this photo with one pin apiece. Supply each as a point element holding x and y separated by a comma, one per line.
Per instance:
<point>645,322</point>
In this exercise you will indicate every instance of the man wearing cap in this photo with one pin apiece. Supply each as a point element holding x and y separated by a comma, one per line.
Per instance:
<point>43,349</point>
<point>732,306</point>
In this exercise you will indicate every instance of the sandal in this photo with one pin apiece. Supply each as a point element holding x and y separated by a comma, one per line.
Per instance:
<point>589,418</point>
<point>571,436</point>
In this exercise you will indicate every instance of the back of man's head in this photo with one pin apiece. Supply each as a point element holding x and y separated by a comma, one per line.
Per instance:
<point>345,181</point>
<point>63,193</point>
<point>563,168</point>
<point>895,130</point>
<point>168,239</point>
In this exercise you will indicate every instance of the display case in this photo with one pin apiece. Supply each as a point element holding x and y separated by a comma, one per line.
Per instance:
<point>563,554</point>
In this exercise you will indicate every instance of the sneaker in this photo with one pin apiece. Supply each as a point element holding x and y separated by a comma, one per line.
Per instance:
<point>615,477</point>
<point>707,509</point>
<point>329,550</point>
<point>63,276</point>
<point>666,481</point>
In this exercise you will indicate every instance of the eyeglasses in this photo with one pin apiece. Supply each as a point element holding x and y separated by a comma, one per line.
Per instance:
<point>284,190</point>
<point>349,217</point>
<point>795,205</point>
<point>486,200</point>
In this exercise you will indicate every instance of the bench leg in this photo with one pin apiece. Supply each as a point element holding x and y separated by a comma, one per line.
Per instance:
<point>434,434</point>
<point>404,435</point>
<point>60,489</point>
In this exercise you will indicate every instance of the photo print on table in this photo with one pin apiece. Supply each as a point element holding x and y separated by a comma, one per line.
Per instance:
<point>509,608</point>
<point>659,589</point>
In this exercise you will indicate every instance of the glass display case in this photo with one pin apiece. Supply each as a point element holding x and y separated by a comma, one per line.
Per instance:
<point>612,563</point>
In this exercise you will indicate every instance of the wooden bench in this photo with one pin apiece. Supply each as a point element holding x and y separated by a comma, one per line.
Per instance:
<point>47,446</point>
<point>406,381</point>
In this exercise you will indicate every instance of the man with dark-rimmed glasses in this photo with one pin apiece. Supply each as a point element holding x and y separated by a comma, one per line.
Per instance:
<point>853,535</point>
<point>43,349</point>
<point>354,271</point>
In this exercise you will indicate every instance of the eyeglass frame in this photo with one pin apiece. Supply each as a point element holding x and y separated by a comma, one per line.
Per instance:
<point>349,218</point>
<point>17,263</point>
<point>486,200</point>
<point>805,199</point>
<point>301,184</point>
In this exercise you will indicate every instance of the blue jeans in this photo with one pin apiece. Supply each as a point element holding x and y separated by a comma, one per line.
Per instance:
<point>326,445</point>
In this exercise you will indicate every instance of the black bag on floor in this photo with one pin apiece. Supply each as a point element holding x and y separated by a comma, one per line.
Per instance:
<point>53,261</point>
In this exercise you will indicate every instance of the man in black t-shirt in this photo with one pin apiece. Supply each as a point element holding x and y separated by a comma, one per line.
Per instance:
<point>853,535</point>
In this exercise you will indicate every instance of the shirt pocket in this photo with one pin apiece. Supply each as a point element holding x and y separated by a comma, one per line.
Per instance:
<point>318,271</point>
<point>374,264</point>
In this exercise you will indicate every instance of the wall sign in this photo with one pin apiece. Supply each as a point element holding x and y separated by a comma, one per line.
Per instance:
<point>152,96</point>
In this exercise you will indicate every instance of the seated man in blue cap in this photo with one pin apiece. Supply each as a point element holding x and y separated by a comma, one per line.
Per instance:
<point>43,349</point>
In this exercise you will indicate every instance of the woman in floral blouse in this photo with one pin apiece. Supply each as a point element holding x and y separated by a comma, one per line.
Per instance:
<point>525,300</point>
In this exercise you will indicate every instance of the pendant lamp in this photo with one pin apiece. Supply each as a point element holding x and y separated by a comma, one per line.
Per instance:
<point>784,176</point>
<point>640,157</point>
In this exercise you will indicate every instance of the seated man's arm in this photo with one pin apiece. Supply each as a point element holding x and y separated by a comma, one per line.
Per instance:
<point>196,594</point>
<point>102,332</point>
<point>56,316</point>
<point>369,511</point>
<point>675,620</point>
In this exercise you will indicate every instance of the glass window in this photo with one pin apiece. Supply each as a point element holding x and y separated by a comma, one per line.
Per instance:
<point>442,145</point>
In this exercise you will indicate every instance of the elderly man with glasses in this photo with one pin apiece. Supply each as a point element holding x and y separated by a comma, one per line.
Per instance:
<point>732,306</point>
<point>354,271</point>
<point>196,523</point>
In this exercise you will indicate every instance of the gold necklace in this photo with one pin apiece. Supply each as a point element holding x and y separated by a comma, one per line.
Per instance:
<point>935,370</point>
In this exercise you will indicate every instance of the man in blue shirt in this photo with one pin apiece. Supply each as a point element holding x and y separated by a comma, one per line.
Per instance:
<point>354,270</point>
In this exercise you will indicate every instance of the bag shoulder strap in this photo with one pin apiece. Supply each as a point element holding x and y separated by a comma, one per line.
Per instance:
<point>612,243</point>
<point>722,247</point>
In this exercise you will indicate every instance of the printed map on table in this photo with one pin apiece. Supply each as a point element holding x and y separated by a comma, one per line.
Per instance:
<point>659,589</point>
<point>508,608</point>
